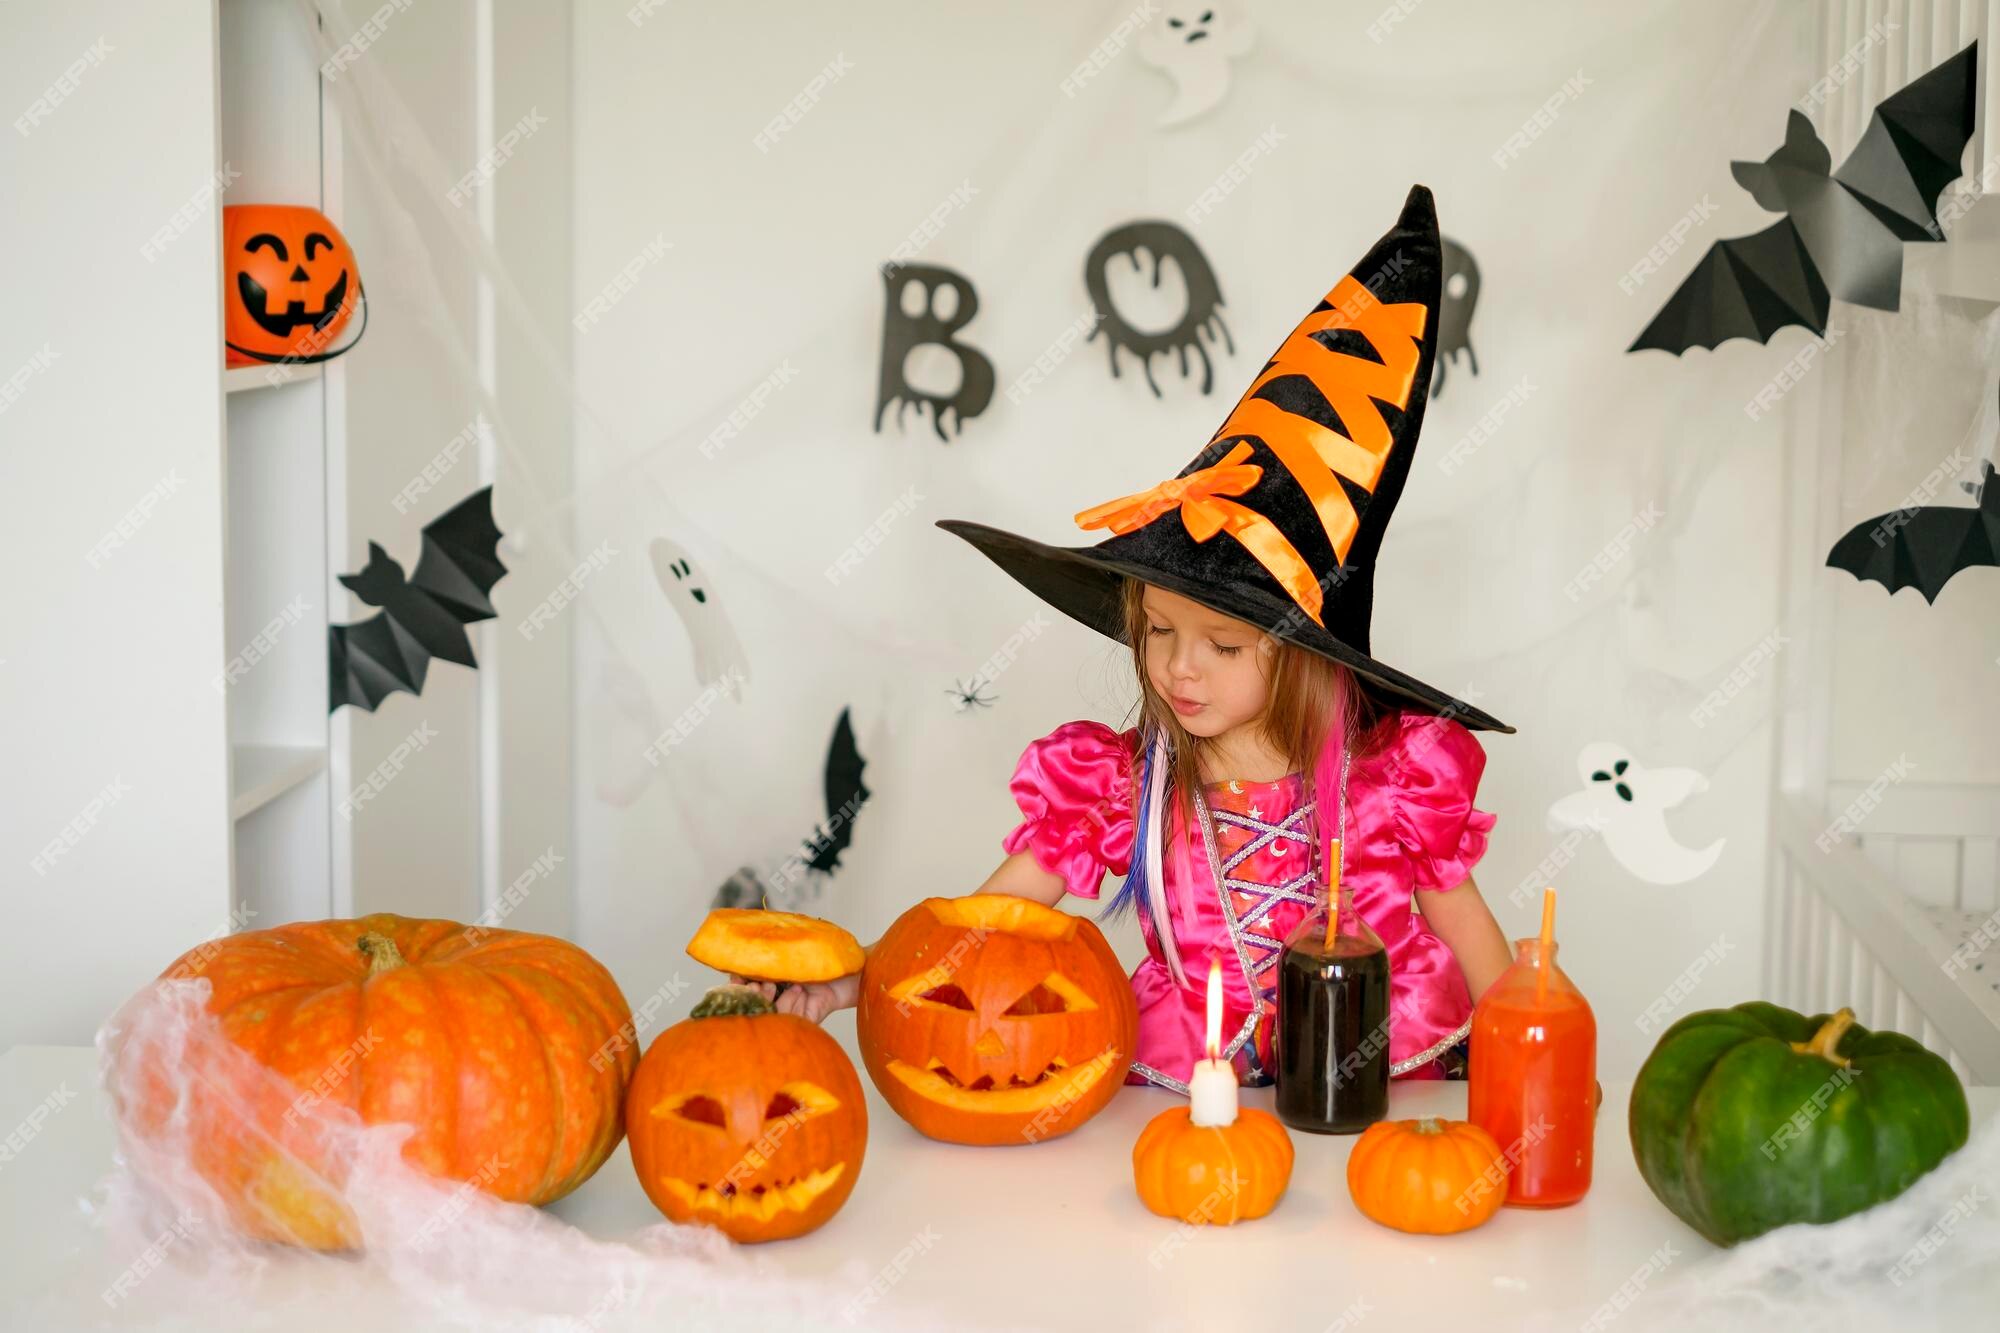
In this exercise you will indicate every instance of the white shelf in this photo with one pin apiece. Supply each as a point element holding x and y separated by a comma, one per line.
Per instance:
<point>240,379</point>
<point>263,773</point>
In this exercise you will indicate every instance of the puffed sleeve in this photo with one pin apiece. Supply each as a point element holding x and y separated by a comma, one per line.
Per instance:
<point>1074,787</point>
<point>1433,767</point>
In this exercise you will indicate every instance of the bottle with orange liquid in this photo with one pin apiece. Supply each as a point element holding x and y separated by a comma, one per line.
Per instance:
<point>1533,1073</point>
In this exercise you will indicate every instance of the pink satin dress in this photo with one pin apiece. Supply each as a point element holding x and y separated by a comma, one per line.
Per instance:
<point>1410,825</point>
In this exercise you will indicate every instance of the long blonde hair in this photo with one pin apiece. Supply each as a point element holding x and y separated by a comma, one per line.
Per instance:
<point>1313,702</point>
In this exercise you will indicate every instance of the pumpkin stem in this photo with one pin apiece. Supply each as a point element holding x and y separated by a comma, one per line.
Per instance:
<point>727,1001</point>
<point>1827,1038</point>
<point>383,955</point>
<point>1429,1125</point>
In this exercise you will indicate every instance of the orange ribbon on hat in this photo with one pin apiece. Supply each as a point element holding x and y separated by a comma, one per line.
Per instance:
<point>1315,456</point>
<point>1204,512</point>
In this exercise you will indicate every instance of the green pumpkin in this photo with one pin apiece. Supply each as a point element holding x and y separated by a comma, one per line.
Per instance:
<point>1752,1118</point>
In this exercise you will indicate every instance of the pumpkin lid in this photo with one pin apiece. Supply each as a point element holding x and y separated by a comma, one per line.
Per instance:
<point>775,946</point>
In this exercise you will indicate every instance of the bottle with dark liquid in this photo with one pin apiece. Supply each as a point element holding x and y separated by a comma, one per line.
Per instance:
<point>1332,1042</point>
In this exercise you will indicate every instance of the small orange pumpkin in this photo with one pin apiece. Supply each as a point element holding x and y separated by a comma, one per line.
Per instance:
<point>291,284</point>
<point>775,946</point>
<point>746,1120</point>
<point>1432,1177</point>
<point>1212,1176</point>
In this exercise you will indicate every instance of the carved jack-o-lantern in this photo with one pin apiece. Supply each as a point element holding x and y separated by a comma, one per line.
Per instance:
<point>746,1120</point>
<point>291,284</point>
<point>992,1019</point>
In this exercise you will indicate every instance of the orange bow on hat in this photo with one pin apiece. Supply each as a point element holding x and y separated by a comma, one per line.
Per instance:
<point>1204,512</point>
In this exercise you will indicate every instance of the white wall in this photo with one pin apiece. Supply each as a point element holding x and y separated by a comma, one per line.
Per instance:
<point>111,411</point>
<point>773,264</point>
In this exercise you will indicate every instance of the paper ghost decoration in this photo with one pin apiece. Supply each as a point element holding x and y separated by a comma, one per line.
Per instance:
<point>717,652</point>
<point>924,307</point>
<point>1627,805</point>
<point>1842,232</point>
<point>1461,298</point>
<point>1161,241</point>
<point>1924,546</point>
<point>1192,44</point>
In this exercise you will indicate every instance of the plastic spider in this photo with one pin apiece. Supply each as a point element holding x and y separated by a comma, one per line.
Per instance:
<point>966,695</point>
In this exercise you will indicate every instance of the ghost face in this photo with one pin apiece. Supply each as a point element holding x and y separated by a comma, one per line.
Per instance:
<point>718,654</point>
<point>1625,803</point>
<point>1193,44</point>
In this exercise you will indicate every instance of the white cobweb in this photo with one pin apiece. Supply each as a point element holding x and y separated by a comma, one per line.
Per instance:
<point>1928,1259</point>
<point>433,1253</point>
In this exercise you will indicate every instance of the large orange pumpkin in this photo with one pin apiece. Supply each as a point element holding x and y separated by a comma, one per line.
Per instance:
<point>992,1019</point>
<point>291,284</point>
<point>747,1120</point>
<point>1214,1175</point>
<point>508,1053</point>
<point>1430,1176</point>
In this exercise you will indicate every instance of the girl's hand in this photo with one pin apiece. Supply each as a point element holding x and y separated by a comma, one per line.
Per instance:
<point>810,1000</point>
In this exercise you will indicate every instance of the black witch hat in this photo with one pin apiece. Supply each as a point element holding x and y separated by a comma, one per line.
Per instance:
<point>1279,519</point>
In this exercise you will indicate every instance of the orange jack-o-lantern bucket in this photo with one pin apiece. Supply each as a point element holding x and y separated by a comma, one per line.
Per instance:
<point>291,285</point>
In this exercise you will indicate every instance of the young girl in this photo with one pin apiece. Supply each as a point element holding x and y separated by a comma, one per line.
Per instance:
<point>1267,734</point>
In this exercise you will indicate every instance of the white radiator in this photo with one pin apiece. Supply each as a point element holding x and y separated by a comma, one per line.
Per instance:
<point>1887,43</point>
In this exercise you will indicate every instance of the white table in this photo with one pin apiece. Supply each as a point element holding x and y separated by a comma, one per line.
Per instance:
<point>1047,1236</point>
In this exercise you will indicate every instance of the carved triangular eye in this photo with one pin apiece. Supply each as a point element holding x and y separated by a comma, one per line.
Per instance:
<point>800,1100</point>
<point>948,994</point>
<point>1053,994</point>
<point>694,1107</point>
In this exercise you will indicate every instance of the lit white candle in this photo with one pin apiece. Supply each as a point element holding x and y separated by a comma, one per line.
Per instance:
<point>1212,1087</point>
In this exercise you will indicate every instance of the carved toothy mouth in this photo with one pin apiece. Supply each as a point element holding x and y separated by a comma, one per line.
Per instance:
<point>759,1202</point>
<point>985,1083</point>
<point>1059,1082</point>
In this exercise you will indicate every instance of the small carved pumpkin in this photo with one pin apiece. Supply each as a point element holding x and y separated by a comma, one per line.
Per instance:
<point>1429,1176</point>
<point>746,1120</point>
<point>1216,1175</point>
<point>291,284</point>
<point>992,1019</point>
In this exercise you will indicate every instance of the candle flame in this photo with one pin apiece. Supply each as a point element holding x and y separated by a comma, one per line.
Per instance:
<point>1215,1009</point>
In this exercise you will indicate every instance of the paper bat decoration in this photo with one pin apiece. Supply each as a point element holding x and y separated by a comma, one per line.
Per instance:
<point>845,795</point>
<point>1842,234</point>
<point>423,616</point>
<point>1924,546</point>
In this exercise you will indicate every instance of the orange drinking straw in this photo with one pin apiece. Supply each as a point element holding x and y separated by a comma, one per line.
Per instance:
<point>1548,939</point>
<point>1333,907</point>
